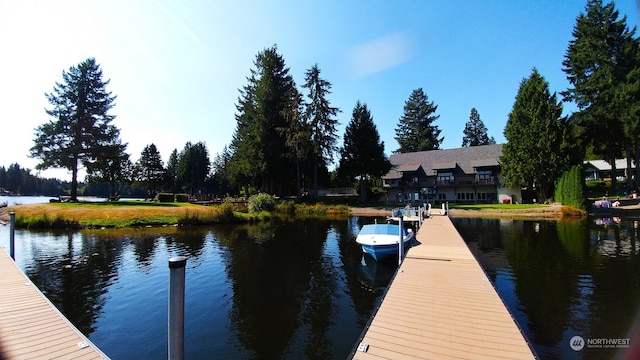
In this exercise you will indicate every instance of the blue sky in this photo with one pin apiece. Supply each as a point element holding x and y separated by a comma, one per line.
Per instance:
<point>176,66</point>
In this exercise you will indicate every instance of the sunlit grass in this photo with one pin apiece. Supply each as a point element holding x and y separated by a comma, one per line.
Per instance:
<point>498,207</point>
<point>122,214</point>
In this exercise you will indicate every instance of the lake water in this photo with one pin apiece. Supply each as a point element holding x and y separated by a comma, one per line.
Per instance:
<point>561,280</point>
<point>302,289</point>
<point>278,290</point>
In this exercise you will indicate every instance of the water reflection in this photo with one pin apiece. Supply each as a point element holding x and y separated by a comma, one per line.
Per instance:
<point>283,289</point>
<point>561,279</point>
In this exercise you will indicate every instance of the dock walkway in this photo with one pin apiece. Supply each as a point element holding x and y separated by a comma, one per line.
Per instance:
<point>30,325</point>
<point>441,305</point>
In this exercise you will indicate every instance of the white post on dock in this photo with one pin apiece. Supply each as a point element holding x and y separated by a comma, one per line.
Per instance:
<point>12,235</point>
<point>176,307</point>
<point>401,243</point>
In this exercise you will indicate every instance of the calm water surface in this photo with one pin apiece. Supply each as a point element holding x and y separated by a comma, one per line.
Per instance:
<point>561,280</point>
<point>280,290</point>
<point>302,289</point>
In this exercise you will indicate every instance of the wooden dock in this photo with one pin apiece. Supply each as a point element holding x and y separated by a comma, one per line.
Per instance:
<point>441,305</point>
<point>30,325</point>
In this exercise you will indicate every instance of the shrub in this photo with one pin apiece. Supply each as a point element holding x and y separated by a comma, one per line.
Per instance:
<point>182,198</point>
<point>165,197</point>
<point>570,189</point>
<point>261,202</point>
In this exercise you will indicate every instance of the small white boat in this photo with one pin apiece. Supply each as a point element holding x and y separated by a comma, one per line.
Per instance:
<point>381,240</point>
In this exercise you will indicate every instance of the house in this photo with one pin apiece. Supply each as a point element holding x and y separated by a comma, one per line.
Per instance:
<point>463,175</point>
<point>601,169</point>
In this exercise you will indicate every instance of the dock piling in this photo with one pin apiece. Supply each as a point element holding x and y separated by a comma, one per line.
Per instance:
<point>176,307</point>
<point>12,235</point>
<point>401,242</point>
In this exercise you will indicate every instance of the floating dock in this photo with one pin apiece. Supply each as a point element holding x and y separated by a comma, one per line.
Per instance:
<point>441,305</point>
<point>31,327</point>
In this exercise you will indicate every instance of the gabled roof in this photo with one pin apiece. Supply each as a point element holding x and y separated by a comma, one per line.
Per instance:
<point>392,174</point>
<point>409,167</point>
<point>444,165</point>
<point>485,163</point>
<point>603,165</point>
<point>466,158</point>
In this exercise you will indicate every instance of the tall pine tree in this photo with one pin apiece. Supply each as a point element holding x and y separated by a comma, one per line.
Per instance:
<point>362,155</point>
<point>475,133</point>
<point>415,130</point>
<point>321,119</point>
<point>150,169</point>
<point>81,131</point>
<point>535,154</point>
<point>258,144</point>
<point>598,63</point>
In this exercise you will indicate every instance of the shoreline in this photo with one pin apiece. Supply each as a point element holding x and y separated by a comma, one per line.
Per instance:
<point>542,213</point>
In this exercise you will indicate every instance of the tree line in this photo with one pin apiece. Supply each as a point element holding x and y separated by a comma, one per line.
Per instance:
<point>602,64</point>
<point>284,142</point>
<point>285,137</point>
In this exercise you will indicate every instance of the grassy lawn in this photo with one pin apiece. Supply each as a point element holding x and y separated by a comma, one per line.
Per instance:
<point>497,207</point>
<point>107,214</point>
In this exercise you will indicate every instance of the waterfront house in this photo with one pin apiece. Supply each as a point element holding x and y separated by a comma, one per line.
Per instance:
<point>462,175</point>
<point>601,169</point>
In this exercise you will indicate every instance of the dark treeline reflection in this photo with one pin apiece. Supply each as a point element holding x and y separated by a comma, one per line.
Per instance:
<point>561,279</point>
<point>278,289</point>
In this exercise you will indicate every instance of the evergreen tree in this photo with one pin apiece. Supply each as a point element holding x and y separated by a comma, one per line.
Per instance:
<point>150,169</point>
<point>193,166</point>
<point>475,133</point>
<point>321,119</point>
<point>297,133</point>
<point>257,144</point>
<point>415,130</point>
<point>81,128</point>
<point>171,172</point>
<point>362,155</point>
<point>112,165</point>
<point>535,154</point>
<point>570,188</point>
<point>220,171</point>
<point>598,63</point>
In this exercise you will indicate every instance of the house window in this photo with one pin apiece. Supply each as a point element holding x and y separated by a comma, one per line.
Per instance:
<point>484,174</point>
<point>442,196</point>
<point>482,196</point>
<point>465,196</point>
<point>448,176</point>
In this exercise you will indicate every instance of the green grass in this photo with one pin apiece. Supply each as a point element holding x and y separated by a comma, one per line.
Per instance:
<point>496,206</point>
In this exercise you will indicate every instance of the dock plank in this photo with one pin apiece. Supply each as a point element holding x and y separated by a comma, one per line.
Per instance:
<point>30,325</point>
<point>441,305</point>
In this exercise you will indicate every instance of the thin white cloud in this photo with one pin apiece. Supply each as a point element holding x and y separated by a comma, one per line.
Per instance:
<point>379,55</point>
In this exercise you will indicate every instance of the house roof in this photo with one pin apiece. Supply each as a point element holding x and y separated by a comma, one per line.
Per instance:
<point>603,165</point>
<point>393,174</point>
<point>467,158</point>
<point>409,167</point>
<point>444,165</point>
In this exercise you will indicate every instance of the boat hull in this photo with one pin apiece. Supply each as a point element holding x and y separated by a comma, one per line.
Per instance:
<point>381,241</point>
